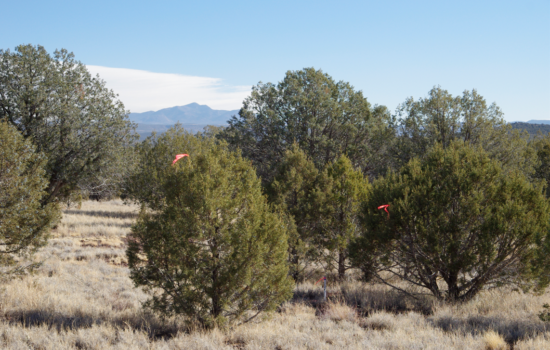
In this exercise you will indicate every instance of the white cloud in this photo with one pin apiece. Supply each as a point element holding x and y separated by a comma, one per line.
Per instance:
<point>143,91</point>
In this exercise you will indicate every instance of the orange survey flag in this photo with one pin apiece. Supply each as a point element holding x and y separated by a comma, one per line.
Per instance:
<point>385,207</point>
<point>320,279</point>
<point>179,156</point>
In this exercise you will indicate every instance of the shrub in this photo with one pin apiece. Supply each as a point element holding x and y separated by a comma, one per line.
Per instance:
<point>545,314</point>
<point>323,205</point>
<point>214,251</point>
<point>154,155</point>
<point>24,223</point>
<point>456,220</point>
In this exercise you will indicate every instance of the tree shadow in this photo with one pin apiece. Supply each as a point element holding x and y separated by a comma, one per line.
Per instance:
<point>366,301</point>
<point>511,330</point>
<point>148,323</point>
<point>102,213</point>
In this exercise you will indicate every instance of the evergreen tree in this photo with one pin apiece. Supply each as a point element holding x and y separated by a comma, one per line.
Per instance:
<point>324,206</point>
<point>338,203</point>
<point>291,190</point>
<point>146,184</point>
<point>443,118</point>
<point>457,219</point>
<point>541,144</point>
<point>214,250</point>
<point>326,118</point>
<point>24,223</point>
<point>70,116</point>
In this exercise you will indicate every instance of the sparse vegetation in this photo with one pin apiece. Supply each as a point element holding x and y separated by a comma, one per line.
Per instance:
<point>214,247</point>
<point>81,297</point>
<point>545,314</point>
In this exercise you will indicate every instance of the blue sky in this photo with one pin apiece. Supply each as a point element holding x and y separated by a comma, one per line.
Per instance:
<point>175,52</point>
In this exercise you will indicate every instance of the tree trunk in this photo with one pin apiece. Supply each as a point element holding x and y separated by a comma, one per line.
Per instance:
<point>295,266</point>
<point>341,265</point>
<point>216,305</point>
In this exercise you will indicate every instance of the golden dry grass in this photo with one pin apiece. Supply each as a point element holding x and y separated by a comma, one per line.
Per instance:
<point>81,298</point>
<point>493,341</point>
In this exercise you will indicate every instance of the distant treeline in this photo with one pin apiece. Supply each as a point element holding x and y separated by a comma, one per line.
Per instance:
<point>532,129</point>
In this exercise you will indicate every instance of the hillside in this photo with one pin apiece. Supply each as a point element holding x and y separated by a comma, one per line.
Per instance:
<point>531,128</point>
<point>190,114</point>
<point>145,130</point>
<point>194,117</point>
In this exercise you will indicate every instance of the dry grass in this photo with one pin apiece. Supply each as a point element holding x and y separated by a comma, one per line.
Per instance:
<point>493,341</point>
<point>81,298</point>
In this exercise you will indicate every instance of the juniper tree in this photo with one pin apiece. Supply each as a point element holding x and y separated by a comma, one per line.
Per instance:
<point>541,145</point>
<point>326,118</point>
<point>443,118</point>
<point>214,250</point>
<point>24,223</point>
<point>70,116</point>
<point>338,201</point>
<point>295,180</point>
<point>145,185</point>
<point>323,205</point>
<point>458,222</point>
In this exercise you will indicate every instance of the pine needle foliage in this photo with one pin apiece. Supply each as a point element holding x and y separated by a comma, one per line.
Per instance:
<point>458,223</point>
<point>215,251</point>
<point>24,223</point>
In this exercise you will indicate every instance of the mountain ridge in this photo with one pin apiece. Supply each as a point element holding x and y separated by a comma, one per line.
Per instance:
<point>192,113</point>
<point>194,117</point>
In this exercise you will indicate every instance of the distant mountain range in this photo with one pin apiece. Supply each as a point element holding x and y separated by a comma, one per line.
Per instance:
<point>533,126</point>
<point>192,113</point>
<point>194,117</point>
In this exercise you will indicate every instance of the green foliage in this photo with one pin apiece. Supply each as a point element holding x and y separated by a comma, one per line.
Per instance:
<point>71,117</point>
<point>545,314</point>
<point>338,203</point>
<point>442,118</point>
<point>213,250</point>
<point>541,144</point>
<point>532,129</point>
<point>326,119</point>
<point>146,185</point>
<point>24,223</point>
<point>291,190</point>
<point>323,205</point>
<point>456,217</point>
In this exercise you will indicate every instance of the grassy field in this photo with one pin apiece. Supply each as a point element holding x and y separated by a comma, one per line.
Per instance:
<point>81,298</point>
